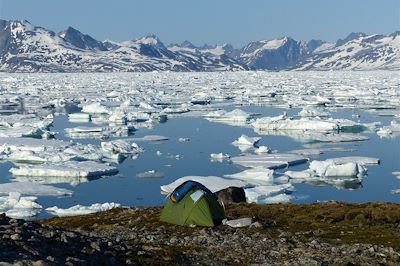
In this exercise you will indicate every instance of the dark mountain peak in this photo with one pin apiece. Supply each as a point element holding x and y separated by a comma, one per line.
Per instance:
<point>350,37</point>
<point>314,44</point>
<point>80,40</point>
<point>187,44</point>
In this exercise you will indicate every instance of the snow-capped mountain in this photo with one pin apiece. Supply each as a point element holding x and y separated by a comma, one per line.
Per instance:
<point>27,48</point>
<point>357,52</point>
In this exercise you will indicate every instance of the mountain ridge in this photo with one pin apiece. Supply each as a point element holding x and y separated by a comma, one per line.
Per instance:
<point>28,48</point>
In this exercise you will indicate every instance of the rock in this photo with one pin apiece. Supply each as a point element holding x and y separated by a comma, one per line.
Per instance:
<point>16,237</point>
<point>231,195</point>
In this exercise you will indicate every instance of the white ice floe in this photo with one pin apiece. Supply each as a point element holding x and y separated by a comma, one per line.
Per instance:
<point>33,189</point>
<point>260,194</point>
<point>73,181</point>
<point>18,207</point>
<point>82,210</point>
<point>271,161</point>
<point>98,132</point>
<point>235,117</point>
<point>123,146</point>
<point>95,108</point>
<point>392,130</point>
<point>118,117</point>
<point>71,168</point>
<point>150,174</point>
<point>151,138</point>
<point>396,174</point>
<point>214,183</point>
<point>79,117</point>
<point>257,173</point>
<point>318,124</point>
<point>219,156</point>
<point>262,149</point>
<point>351,167</point>
<point>183,139</point>
<point>313,112</point>
<point>246,141</point>
<point>334,169</point>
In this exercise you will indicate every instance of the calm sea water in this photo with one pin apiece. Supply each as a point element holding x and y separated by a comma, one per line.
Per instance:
<point>210,137</point>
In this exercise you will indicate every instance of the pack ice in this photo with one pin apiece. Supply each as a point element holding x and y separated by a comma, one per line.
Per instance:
<point>70,169</point>
<point>82,210</point>
<point>16,206</point>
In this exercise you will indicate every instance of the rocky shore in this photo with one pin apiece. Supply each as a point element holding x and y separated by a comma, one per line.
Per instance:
<point>330,233</point>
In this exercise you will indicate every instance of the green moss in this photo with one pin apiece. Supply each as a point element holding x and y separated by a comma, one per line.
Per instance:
<point>371,223</point>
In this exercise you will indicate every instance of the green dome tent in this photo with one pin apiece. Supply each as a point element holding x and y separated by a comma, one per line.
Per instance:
<point>192,203</point>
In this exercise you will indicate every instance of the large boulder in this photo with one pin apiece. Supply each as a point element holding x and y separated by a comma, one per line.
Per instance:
<point>231,195</point>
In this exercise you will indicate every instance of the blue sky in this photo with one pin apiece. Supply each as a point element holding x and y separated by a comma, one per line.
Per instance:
<point>210,21</point>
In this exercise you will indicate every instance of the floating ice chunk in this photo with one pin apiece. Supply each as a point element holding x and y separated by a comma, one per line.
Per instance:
<point>280,198</point>
<point>396,174</point>
<point>98,132</point>
<point>313,112</point>
<point>73,181</point>
<point>262,149</point>
<point>393,130</point>
<point>261,193</point>
<point>151,138</point>
<point>71,168</point>
<point>219,156</point>
<point>33,189</point>
<point>95,108</point>
<point>236,115</point>
<point>119,118</point>
<point>170,110</point>
<point>283,123</point>
<point>256,173</point>
<point>356,159</point>
<point>309,124</point>
<point>151,174</point>
<point>183,139</point>
<point>124,146</point>
<point>306,174</point>
<point>335,168</point>
<point>271,161</point>
<point>18,207</point>
<point>213,183</point>
<point>82,210</point>
<point>244,140</point>
<point>79,117</point>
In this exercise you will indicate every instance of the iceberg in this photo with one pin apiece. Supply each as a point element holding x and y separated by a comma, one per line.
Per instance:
<point>73,181</point>
<point>82,210</point>
<point>260,194</point>
<point>123,146</point>
<point>213,183</point>
<point>150,174</point>
<point>98,132</point>
<point>333,169</point>
<point>151,138</point>
<point>270,161</point>
<point>236,117</point>
<point>257,173</point>
<point>246,141</point>
<point>19,207</point>
<point>33,189</point>
<point>262,149</point>
<point>70,169</point>
<point>95,108</point>
<point>79,117</point>
<point>219,156</point>
<point>392,130</point>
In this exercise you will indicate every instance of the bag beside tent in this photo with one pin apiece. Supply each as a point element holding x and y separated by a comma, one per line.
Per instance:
<point>195,205</point>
